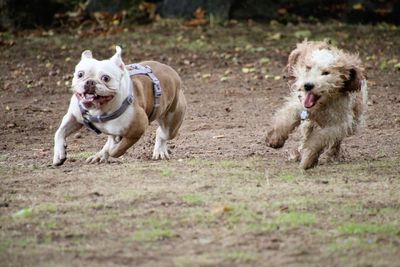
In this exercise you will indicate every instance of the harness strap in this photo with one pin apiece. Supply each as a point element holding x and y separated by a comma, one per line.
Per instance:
<point>137,69</point>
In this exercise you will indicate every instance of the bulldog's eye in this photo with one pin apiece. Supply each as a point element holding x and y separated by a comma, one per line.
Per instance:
<point>325,73</point>
<point>105,78</point>
<point>80,74</point>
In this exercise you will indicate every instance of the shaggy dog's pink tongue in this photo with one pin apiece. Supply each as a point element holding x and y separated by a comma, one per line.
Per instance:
<point>310,100</point>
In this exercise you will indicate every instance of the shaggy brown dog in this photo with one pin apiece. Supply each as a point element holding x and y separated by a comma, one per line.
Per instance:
<point>328,100</point>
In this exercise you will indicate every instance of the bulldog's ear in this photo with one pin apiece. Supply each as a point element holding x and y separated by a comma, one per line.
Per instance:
<point>117,58</point>
<point>353,81</point>
<point>86,54</point>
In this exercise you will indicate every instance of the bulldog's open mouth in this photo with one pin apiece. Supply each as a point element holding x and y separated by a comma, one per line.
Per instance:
<point>310,100</point>
<point>89,99</point>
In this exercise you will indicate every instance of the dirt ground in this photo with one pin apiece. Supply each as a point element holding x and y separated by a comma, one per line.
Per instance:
<point>224,199</point>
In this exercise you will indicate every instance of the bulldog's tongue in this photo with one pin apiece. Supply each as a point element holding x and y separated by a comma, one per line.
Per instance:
<point>310,100</point>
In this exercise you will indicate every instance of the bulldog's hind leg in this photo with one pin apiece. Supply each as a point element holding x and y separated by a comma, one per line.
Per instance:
<point>168,129</point>
<point>120,145</point>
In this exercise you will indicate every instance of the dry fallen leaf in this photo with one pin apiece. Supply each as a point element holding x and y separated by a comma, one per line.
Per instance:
<point>221,209</point>
<point>206,76</point>
<point>248,70</point>
<point>198,20</point>
<point>275,36</point>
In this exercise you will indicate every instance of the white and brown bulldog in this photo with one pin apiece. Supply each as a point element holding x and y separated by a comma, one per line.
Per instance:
<point>108,98</point>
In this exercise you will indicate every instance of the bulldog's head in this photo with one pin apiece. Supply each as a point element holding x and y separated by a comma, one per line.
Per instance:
<point>95,82</point>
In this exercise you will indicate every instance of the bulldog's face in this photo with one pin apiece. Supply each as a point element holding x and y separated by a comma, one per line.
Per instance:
<point>95,82</point>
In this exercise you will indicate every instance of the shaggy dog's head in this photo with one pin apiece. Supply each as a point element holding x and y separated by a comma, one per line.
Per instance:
<point>321,73</point>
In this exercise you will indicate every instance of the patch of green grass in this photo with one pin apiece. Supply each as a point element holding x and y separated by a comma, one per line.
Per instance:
<point>262,227</point>
<point>83,155</point>
<point>129,195</point>
<point>4,245</point>
<point>198,216</point>
<point>166,172</point>
<point>194,199</point>
<point>47,208</point>
<point>23,243</point>
<point>194,260</point>
<point>228,164</point>
<point>284,221</point>
<point>240,256</point>
<point>4,157</point>
<point>241,213</point>
<point>50,225</point>
<point>347,244</point>
<point>369,228</point>
<point>297,203</point>
<point>95,227</point>
<point>296,219</point>
<point>23,213</point>
<point>154,229</point>
<point>16,243</point>
<point>200,162</point>
<point>289,176</point>
<point>153,234</point>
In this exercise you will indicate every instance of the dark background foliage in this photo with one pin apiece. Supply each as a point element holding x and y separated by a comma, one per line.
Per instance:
<point>34,13</point>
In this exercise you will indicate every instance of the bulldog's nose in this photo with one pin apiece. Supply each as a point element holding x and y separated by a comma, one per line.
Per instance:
<point>308,86</point>
<point>90,87</point>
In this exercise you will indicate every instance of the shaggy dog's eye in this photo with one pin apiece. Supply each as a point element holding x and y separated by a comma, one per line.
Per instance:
<point>325,73</point>
<point>80,74</point>
<point>105,78</point>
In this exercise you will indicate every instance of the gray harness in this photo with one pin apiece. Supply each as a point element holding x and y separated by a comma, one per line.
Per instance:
<point>133,69</point>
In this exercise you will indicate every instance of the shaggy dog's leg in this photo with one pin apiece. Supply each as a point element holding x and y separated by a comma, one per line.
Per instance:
<point>284,122</point>
<point>315,141</point>
<point>333,152</point>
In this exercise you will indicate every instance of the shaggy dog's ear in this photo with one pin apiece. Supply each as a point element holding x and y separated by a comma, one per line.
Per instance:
<point>353,81</point>
<point>292,60</point>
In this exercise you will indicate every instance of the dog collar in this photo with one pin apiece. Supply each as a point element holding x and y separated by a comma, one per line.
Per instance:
<point>88,119</point>
<point>133,69</point>
<point>304,115</point>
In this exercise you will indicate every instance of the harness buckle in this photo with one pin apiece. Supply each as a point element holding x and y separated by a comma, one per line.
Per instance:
<point>157,90</point>
<point>129,100</point>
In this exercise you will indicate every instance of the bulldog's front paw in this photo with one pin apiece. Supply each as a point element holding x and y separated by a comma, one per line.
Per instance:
<point>100,157</point>
<point>160,151</point>
<point>59,158</point>
<point>274,140</point>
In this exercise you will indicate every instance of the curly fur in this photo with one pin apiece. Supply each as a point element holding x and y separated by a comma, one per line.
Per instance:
<point>331,86</point>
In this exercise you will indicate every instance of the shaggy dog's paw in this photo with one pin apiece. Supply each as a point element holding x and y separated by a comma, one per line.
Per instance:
<point>294,155</point>
<point>309,159</point>
<point>275,141</point>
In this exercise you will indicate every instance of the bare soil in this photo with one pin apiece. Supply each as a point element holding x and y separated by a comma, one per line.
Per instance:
<point>224,199</point>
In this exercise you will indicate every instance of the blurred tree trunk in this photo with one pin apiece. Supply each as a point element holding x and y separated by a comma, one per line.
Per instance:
<point>20,14</point>
<point>186,8</point>
<point>27,13</point>
<point>111,6</point>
